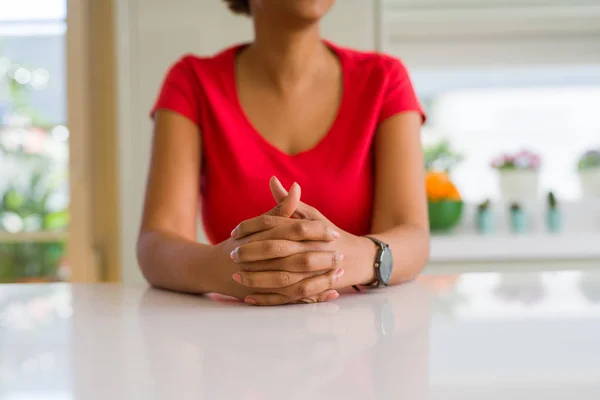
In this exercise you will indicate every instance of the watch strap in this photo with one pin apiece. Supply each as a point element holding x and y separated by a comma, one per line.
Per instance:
<point>378,256</point>
<point>377,242</point>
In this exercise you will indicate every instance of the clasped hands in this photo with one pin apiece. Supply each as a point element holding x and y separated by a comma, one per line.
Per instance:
<point>293,254</point>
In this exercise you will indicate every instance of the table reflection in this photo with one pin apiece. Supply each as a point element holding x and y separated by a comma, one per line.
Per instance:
<point>370,347</point>
<point>35,336</point>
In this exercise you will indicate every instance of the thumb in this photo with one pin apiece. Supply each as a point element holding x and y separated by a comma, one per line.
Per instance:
<point>288,203</point>
<point>301,210</point>
<point>277,189</point>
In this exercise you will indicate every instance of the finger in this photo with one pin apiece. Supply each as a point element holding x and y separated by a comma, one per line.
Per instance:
<point>303,210</point>
<point>271,279</point>
<point>277,189</point>
<point>286,205</point>
<point>270,249</point>
<point>313,261</point>
<point>284,209</point>
<point>259,224</point>
<point>296,230</point>
<point>301,290</point>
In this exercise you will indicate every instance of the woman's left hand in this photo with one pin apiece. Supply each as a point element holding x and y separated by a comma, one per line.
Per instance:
<point>263,256</point>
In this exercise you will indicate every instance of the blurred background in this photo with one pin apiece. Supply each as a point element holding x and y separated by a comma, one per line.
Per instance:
<point>511,88</point>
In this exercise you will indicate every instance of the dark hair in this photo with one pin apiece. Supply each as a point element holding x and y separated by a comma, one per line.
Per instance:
<point>239,6</point>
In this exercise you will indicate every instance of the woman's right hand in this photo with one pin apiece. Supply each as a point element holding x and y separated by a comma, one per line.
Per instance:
<point>313,266</point>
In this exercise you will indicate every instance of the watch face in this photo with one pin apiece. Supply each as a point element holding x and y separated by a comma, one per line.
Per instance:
<point>385,268</point>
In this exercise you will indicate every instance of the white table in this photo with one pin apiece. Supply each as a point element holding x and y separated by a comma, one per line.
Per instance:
<point>473,336</point>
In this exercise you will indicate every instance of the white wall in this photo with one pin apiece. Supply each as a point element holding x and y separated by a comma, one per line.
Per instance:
<point>152,34</point>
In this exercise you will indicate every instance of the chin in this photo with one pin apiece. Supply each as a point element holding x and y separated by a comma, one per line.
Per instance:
<point>299,10</point>
<point>309,9</point>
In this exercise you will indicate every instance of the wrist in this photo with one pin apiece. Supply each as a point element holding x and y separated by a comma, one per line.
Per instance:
<point>366,267</point>
<point>217,275</point>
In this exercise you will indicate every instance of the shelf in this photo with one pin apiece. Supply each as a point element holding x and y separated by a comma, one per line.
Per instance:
<point>33,237</point>
<point>460,248</point>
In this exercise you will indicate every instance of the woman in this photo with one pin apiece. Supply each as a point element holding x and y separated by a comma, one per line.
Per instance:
<point>342,125</point>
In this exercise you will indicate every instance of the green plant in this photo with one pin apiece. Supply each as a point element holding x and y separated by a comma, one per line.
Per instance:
<point>484,206</point>
<point>484,218</point>
<point>440,156</point>
<point>29,191</point>
<point>552,202</point>
<point>19,90</point>
<point>515,207</point>
<point>589,160</point>
<point>30,260</point>
<point>26,205</point>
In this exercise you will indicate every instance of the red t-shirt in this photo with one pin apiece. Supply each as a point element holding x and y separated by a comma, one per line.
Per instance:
<point>336,175</point>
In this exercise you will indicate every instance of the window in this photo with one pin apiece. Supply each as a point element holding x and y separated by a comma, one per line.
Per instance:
<point>34,191</point>
<point>548,110</point>
<point>499,76</point>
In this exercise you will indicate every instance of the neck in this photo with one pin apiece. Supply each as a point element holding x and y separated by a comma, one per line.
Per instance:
<point>286,56</point>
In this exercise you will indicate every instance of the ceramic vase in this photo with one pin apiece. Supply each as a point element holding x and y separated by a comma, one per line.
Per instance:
<point>484,221</point>
<point>554,220</point>
<point>518,185</point>
<point>590,182</point>
<point>444,215</point>
<point>518,221</point>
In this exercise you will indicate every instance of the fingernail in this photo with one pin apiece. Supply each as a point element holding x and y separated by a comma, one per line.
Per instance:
<point>335,234</point>
<point>234,231</point>
<point>294,185</point>
<point>250,300</point>
<point>339,272</point>
<point>332,296</point>
<point>339,257</point>
<point>237,277</point>
<point>234,254</point>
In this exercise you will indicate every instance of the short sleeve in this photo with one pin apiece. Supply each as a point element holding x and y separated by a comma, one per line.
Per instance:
<point>180,91</point>
<point>399,93</point>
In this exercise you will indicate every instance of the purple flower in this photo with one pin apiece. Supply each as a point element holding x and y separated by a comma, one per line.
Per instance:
<point>522,160</point>
<point>497,162</point>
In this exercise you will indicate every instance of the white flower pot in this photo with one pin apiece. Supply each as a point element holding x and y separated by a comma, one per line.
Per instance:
<point>518,185</point>
<point>590,182</point>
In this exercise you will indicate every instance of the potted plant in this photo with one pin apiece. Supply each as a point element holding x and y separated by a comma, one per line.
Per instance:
<point>518,175</point>
<point>518,218</point>
<point>444,202</point>
<point>589,173</point>
<point>440,156</point>
<point>553,214</point>
<point>484,218</point>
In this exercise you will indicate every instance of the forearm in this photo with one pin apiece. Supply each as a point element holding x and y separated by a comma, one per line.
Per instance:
<point>410,248</point>
<point>171,262</point>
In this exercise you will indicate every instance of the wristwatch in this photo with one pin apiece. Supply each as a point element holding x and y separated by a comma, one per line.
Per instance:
<point>384,264</point>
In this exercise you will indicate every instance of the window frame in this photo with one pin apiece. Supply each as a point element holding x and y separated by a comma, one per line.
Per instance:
<point>94,232</point>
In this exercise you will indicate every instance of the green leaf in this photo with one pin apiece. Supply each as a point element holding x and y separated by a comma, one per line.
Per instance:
<point>12,201</point>
<point>56,220</point>
<point>440,156</point>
